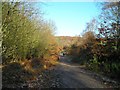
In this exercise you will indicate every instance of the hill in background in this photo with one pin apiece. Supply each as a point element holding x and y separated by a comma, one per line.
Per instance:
<point>66,41</point>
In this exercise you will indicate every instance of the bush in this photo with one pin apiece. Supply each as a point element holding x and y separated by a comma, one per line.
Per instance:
<point>115,69</point>
<point>93,64</point>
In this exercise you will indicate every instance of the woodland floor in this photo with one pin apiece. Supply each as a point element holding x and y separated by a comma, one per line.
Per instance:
<point>67,74</point>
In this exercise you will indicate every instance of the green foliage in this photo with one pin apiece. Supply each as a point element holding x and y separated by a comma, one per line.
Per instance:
<point>27,43</point>
<point>23,35</point>
<point>94,64</point>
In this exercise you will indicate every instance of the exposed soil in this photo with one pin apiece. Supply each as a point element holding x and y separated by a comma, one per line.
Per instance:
<point>76,76</point>
<point>67,74</point>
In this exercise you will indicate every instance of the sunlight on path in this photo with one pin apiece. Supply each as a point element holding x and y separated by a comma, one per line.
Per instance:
<point>68,65</point>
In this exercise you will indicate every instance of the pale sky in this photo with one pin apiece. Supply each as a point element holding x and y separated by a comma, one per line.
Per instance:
<point>70,18</point>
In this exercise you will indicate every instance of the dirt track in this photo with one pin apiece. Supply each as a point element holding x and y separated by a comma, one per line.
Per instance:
<point>73,76</point>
